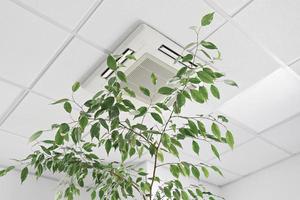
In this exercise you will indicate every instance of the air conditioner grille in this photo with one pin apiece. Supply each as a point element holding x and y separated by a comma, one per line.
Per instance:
<point>140,75</point>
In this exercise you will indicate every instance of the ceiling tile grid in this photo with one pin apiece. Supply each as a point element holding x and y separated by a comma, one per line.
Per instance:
<point>44,50</point>
<point>57,9</point>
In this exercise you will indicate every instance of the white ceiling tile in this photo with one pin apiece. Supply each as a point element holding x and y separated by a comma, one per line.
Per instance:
<point>268,102</point>
<point>115,19</point>
<point>27,43</point>
<point>296,67</point>
<point>275,24</point>
<point>285,135</point>
<point>250,157</point>
<point>33,114</point>
<point>67,12</point>
<point>9,93</point>
<point>12,147</point>
<point>77,60</point>
<point>242,61</point>
<point>231,6</point>
<point>219,180</point>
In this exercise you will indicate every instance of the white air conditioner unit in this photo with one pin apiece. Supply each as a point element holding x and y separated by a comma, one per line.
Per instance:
<point>155,53</point>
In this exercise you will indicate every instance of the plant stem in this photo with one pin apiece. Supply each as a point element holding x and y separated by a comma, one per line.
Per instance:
<point>156,154</point>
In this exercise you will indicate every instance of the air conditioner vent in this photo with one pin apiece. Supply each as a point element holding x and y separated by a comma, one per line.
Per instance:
<point>140,75</point>
<point>155,53</point>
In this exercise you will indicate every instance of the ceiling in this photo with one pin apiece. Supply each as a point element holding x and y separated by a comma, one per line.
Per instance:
<point>47,45</point>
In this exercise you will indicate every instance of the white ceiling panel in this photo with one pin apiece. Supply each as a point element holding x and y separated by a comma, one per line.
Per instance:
<point>115,19</point>
<point>67,12</point>
<point>231,6</point>
<point>250,157</point>
<point>12,147</point>
<point>218,180</point>
<point>285,135</point>
<point>76,60</point>
<point>268,102</point>
<point>27,43</point>
<point>242,61</point>
<point>8,95</point>
<point>33,114</point>
<point>296,67</point>
<point>275,24</point>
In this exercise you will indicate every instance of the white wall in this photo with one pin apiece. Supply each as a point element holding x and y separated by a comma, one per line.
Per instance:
<point>281,181</point>
<point>31,189</point>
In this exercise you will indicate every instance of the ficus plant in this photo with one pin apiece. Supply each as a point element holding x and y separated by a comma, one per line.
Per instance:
<point>110,121</point>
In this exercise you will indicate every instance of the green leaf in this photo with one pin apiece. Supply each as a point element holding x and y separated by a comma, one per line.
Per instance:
<point>129,92</point>
<point>93,195</point>
<point>68,107</point>
<point>181,71</point>
<point>108,146</point>
<point>157,117</point>
<point>6,170</point>
<point>121,76</point>
<point>199,193</point>
<point>24,174</point>
<point>205,77</point>
<point>75,86</point>
<point>203,92</point>
<point>153,79</point>
<point>174,170</point>
<point>215,151</point>
<point>196,95</point>
<point>231,82</point>
<point>129,104</point>
<point>103,123</point>
<point>196,147</point>
<point>60,101</point>
<point>95,130</point>
<point>131,57</point>
<point>167,192</point>
<point>145,91</point>
<point>195,172</point>
<point>184,195</point>
<point>180,99</point>
<point>142,111</point>
<point>187,58</point>
<point>215,92</point>
<point>193,127</point>
<point>216,169</point>
<point>166,90</point>
<point>108,102</point>
<point>173,150</point>
<point>229,139</point>
<point>58,138</point>
<point>160,156</point>
<point>83,121</point>
<point>216,131</point>
<point>162,106</point>
<point>35,136</point>
<point>223,118</point>
<point>207,19</point>
<point>205,171</point>
<point>111,62</point>
<point>208,45</point>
